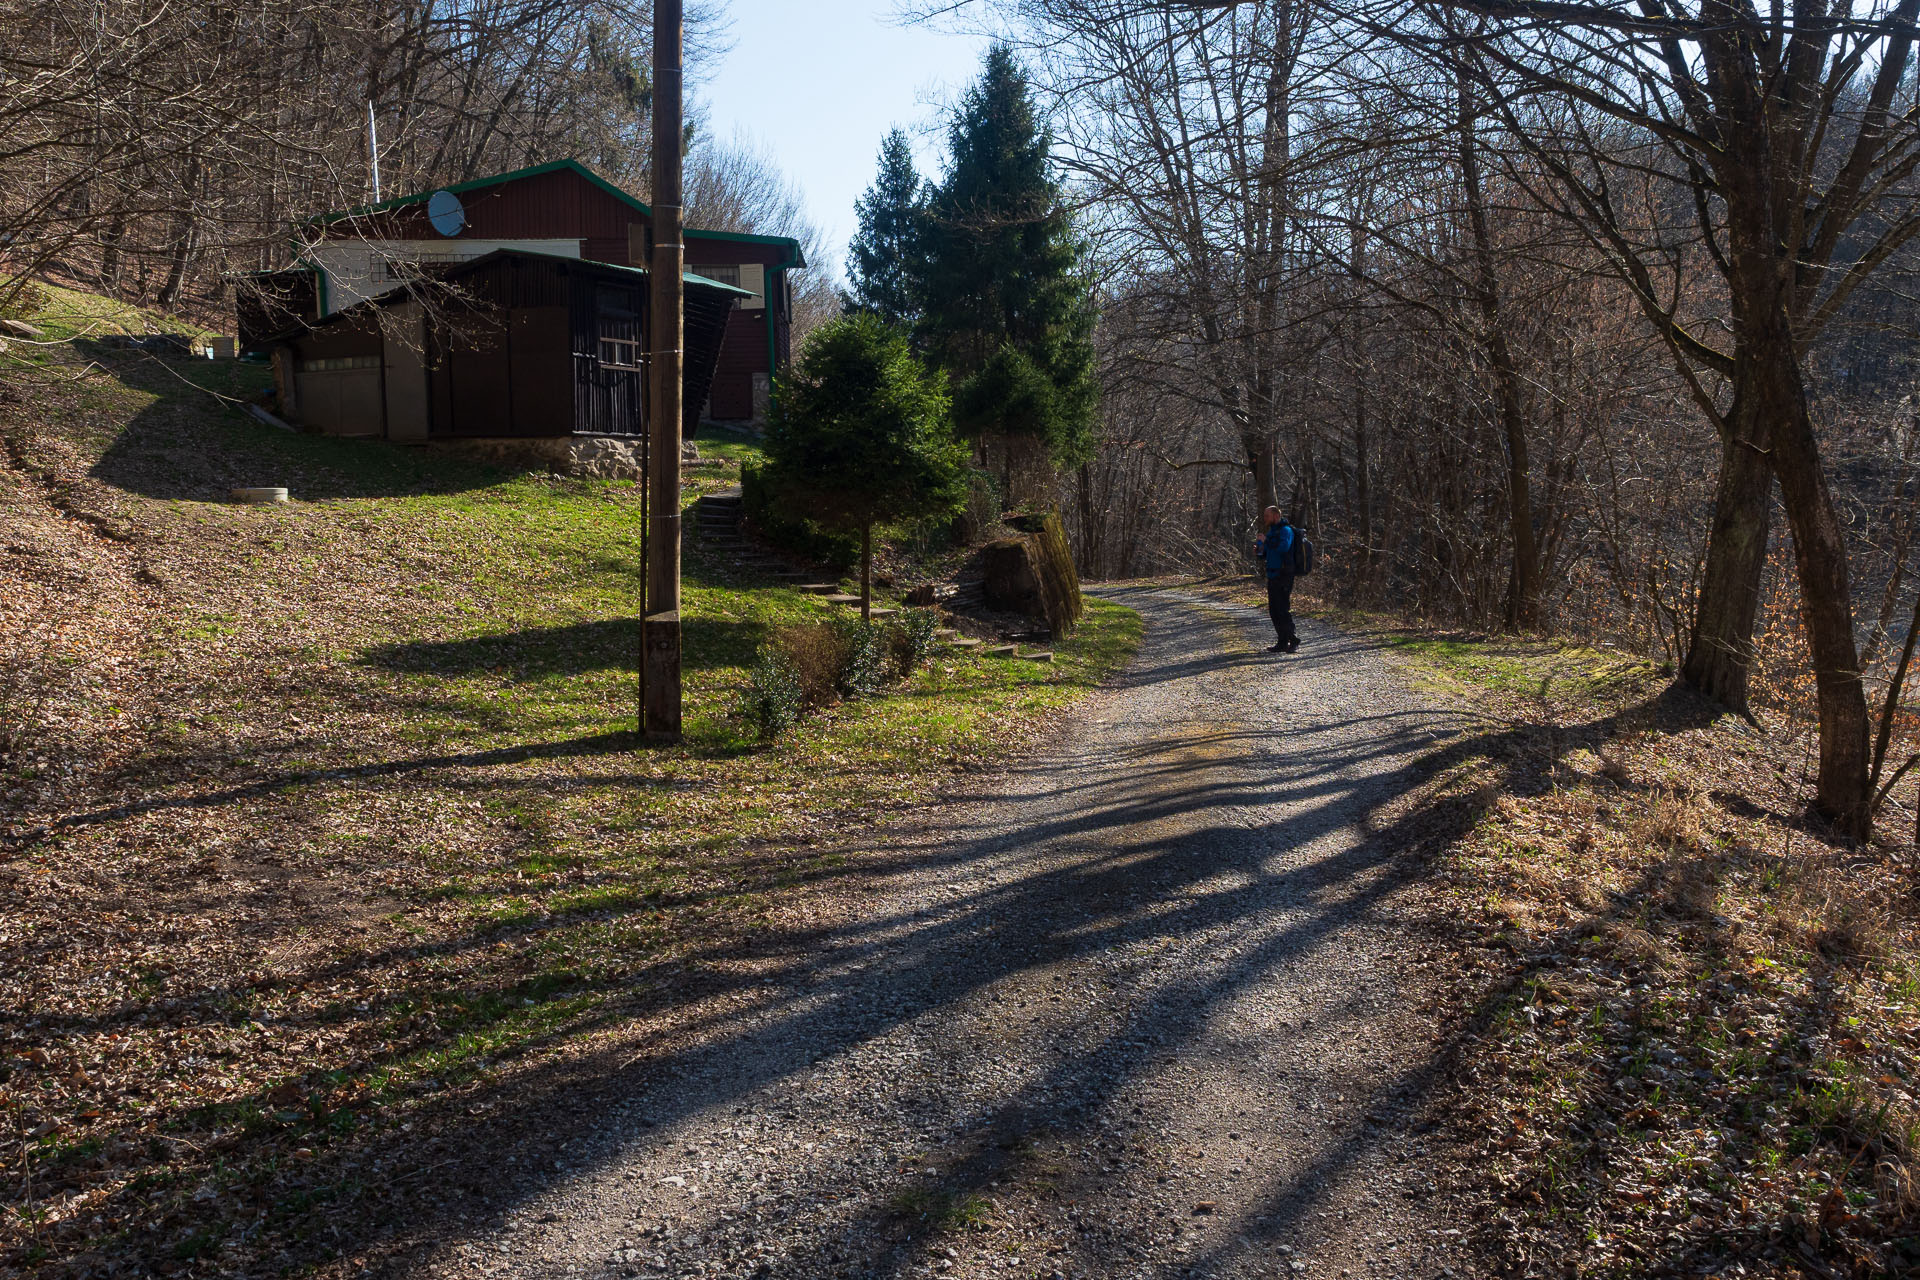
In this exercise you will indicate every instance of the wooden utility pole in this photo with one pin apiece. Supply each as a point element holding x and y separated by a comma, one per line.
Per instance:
<point>660,676</point>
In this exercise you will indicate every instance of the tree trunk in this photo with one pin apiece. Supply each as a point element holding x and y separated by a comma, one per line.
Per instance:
<point>185,241</point>
<point>1363,496</point>
<point>1720,652</point>
<point>1089,538</point>
<point>1842,794</point>
<point>1523,595</point>
<point>1260,459</point>
<point>866,572</point>
<point>1891,710</point>
<point>110,255</point>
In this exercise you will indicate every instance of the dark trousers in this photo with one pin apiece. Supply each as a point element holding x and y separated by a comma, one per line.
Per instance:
<point>1280,607</point>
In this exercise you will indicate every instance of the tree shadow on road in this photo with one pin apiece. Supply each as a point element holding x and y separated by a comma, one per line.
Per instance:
<point>1161,829</point>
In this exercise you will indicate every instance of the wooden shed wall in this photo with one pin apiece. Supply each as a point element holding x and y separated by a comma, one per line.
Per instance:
<point>514,352</point>
<point>337,381</point>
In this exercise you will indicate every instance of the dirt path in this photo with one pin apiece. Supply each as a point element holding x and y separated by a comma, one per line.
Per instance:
<point>1143,1007</point>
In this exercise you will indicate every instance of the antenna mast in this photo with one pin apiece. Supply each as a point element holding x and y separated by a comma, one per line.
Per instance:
<point>373,149</point>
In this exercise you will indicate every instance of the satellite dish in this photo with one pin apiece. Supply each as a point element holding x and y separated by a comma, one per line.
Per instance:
<point>445,212</point>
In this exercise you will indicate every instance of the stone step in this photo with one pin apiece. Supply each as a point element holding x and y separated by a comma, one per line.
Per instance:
<point>963,643</point>
<point>820,588</point>
<point>1039,655</point>
<point>841,597</point>
<point>881,611</point>
<point>944,633</point>
<point>1003,651</point>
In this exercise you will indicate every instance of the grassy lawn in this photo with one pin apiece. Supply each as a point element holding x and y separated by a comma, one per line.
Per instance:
<point>323,819</point>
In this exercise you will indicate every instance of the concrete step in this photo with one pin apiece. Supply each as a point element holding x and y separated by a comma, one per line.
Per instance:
<point>841,597</point>
<point>1039,655</point>
<point>1002,651</point>
<point>944,633</point>
<point>821,588</point>
<point>963,643</point>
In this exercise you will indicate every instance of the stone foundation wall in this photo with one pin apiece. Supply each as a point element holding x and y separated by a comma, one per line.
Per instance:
<point>609,457</point>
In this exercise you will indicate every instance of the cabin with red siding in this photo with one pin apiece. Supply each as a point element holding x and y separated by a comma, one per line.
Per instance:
<point>561,210</point>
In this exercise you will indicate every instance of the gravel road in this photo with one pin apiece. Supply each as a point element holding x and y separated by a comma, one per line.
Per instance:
<point>1140,1006</point>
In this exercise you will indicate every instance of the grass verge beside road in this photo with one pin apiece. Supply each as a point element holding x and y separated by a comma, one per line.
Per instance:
<point>1688,1017</point>
<point>324,820</point>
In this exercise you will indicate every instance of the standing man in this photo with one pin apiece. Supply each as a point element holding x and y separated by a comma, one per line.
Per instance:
<point>1275,547</point>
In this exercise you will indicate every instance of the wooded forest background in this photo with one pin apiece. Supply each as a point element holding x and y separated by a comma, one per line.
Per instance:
<point>1522,311</point>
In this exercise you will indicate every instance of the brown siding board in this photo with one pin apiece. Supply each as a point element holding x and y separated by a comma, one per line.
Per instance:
<point>557,205</point>
<point>541,365</point>
<point>482,385</point>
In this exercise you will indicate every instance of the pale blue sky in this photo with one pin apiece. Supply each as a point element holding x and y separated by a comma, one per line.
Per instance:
<point>817,84</point>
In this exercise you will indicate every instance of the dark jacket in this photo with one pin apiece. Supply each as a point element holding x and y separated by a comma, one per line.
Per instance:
<point>1276,548</point>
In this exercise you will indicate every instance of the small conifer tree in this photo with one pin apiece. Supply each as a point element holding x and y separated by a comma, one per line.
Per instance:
<point>859,436</point>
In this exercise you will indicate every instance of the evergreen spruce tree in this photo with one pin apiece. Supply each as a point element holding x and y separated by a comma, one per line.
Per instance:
<point>859,436</point>
<point>884,254</point>
<point>1006,307</point>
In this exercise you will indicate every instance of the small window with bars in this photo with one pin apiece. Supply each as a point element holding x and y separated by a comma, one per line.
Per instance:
<point>619,353</point>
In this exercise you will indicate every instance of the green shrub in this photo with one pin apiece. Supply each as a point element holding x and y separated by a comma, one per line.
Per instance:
<point>910,640</point>
<point>776,523</point>
<point>865,658</point>
<point>775,697</point>
<point>803,668</point>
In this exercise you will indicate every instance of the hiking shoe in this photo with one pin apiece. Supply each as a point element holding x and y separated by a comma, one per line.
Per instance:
<point>1291,646</point>
<point>1276,647</point>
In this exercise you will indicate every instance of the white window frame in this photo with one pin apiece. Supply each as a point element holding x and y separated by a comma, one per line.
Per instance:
<point>633,357</point>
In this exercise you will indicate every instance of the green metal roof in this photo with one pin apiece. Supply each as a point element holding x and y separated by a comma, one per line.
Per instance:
<point>594,263</point>
<point>797,258</point>
<point>401,292</point>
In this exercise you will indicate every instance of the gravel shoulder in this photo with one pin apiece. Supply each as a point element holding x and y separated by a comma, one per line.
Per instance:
<point>1143,1005</point>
